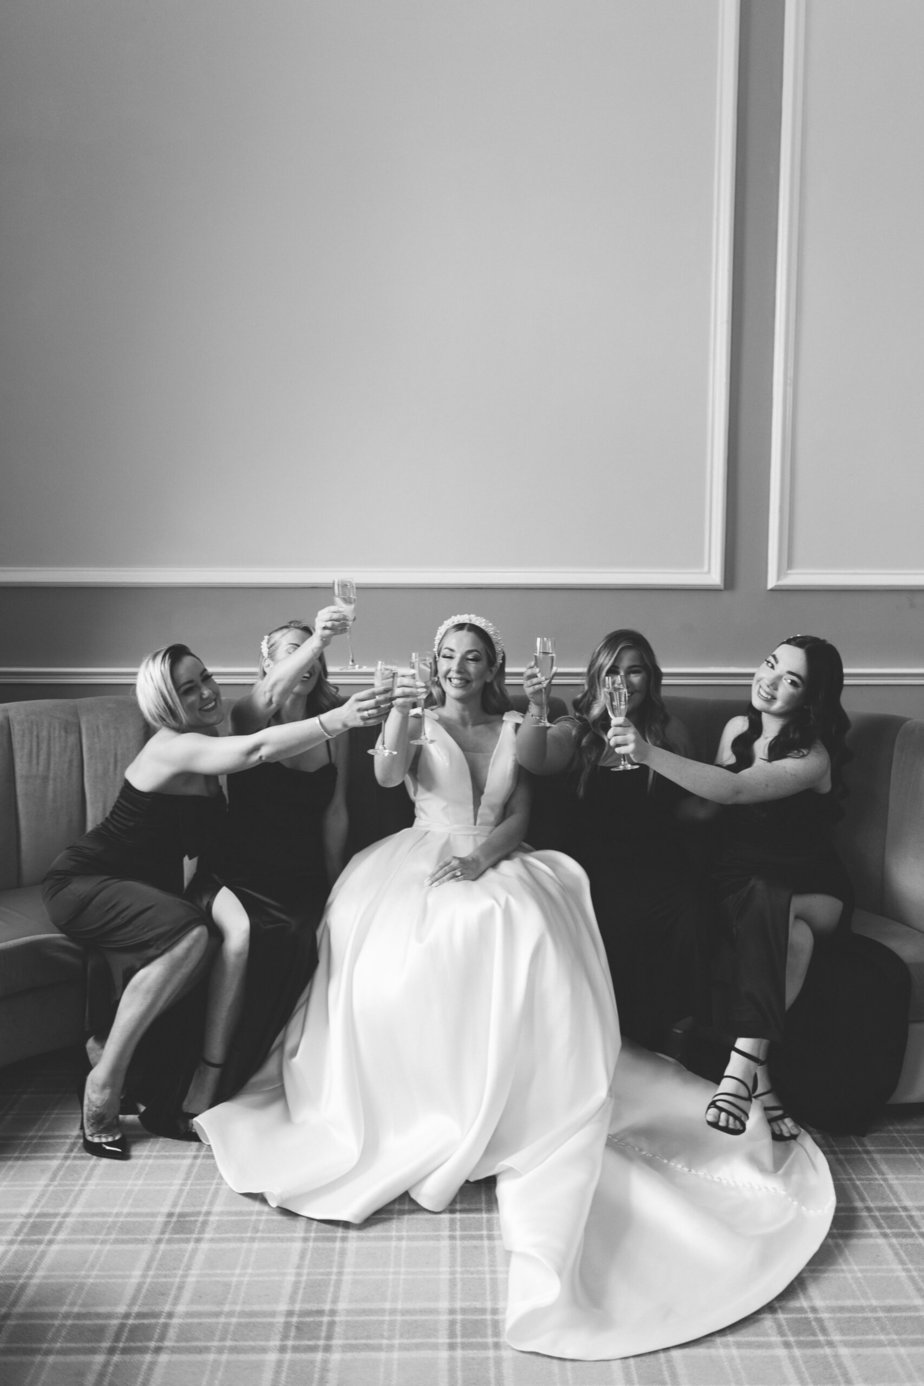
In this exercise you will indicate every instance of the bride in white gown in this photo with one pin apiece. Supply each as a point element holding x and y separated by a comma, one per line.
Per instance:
<point>461,1023</point>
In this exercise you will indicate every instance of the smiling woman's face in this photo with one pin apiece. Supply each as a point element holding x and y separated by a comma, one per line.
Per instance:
<point>630,664</point>
<point>780,685</point>
<point>462,666</point>
<point>199,694</point>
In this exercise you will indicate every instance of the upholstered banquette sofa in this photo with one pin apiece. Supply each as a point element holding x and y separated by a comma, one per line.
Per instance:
<point>61,762</point>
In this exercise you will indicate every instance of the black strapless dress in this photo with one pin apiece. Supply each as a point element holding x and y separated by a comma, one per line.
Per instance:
<point>769,852</point>
<point>119,889</point>
<point>837,1053</point>
<point>649,902</point>
<point>272,858</point>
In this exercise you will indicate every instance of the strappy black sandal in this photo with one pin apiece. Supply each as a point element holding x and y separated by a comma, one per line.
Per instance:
<point>732,1105</point>
<point>776,1114</point>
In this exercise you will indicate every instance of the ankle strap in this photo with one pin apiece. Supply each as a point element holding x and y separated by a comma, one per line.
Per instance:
<point>745,1055</point>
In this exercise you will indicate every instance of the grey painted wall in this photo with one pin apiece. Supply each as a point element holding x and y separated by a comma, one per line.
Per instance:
<point>86,636</point>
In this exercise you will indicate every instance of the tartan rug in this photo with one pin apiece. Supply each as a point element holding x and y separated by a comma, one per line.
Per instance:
<point>153,1273</point>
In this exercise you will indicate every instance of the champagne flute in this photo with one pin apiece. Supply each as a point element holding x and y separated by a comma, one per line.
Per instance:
<point>383,681</point>
<point>424,670</point>
<point>345,597</point>
<point>616,695</point>
<point>544,660</point>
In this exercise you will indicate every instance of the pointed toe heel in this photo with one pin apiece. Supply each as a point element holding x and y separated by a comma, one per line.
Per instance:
<point>111,1147</point>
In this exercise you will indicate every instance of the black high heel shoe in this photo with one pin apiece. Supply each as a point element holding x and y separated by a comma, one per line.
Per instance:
<point>106,1148</point>
<point>733,1105</point>
<point>176,1126</point>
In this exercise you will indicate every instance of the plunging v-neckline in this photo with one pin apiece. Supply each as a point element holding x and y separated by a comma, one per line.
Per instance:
<point>476,808</point>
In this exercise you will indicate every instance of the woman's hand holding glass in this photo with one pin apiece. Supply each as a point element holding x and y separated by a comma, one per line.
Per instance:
<point>366,708</point>
<point>628,743</point>
<point>534,686</point>
<point>331,621</point>
<point>385,686</point>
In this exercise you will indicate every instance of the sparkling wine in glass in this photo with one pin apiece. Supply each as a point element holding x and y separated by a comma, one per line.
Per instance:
<point>345,597</point>
<point>423,667</point>
<point>544,660</point>
<point>383,681</point>
<point>616,695</point>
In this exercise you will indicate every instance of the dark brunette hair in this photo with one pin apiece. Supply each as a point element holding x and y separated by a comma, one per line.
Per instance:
<point>652,717</point>
<point>820,716</point>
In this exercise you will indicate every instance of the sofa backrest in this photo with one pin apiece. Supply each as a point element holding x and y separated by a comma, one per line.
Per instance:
<point>61,765</point>
<point>62,762</point>
<point>880,835</point>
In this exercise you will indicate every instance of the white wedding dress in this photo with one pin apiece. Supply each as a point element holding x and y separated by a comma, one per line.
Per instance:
<point>469,1029</point>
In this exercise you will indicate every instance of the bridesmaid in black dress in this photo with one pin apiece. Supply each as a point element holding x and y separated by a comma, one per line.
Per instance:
<point>285,838</point>
<point>781,884</point>
<point>624,831</point>
<point>120,888</point>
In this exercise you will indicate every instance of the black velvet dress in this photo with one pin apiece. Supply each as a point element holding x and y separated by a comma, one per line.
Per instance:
<point>119,889</point>
<point>836,1055</point>
<point>767,853</point>
<point>272,858</point>
<point>651,905</point>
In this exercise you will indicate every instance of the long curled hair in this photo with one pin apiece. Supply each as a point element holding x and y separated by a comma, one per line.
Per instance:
<point>494,696</point>
<point>820,716</point>
<point>651,717</point>
<point>325,694</point>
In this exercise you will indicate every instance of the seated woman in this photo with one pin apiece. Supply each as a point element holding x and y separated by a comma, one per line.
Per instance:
<point>283,845</point>
<point>781,883</point>
<point>120,888</point>
<point>623,829</point>
<point>461,1024</point>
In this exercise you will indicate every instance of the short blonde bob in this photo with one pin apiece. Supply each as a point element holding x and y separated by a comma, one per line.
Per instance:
<point>155,691</point>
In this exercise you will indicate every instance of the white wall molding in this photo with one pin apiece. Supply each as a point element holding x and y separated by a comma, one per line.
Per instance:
<point>783,569</point>
<point>391,577</point>
<point>786,293</point>
<point>707,676</point>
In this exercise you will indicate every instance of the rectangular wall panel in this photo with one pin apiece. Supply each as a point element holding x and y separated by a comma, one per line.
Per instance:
<point>847,492</point>
<point>430,294</point>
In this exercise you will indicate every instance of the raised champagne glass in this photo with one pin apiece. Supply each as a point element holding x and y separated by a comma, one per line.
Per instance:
<point>423,667</point>
<point>345,597</point>
<point>383,681</point>
<point>544,660</point>
<point>616,695</point>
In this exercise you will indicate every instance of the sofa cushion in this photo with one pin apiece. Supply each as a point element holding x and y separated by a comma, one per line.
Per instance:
<point>61,764</point>
<point>903,940</point>
<point>32,951</point>
<point>861,837</point>
<point>903,868</point>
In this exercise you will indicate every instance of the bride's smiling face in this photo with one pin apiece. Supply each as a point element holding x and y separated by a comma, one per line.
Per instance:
<point>463,667</point>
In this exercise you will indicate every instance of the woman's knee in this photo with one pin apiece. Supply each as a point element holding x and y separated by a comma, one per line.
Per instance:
<point>232,921</point>
<point>820,913</point>
<point>192,947</point>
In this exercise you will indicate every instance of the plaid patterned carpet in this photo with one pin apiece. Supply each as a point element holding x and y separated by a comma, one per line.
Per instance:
<point>153,1273</point>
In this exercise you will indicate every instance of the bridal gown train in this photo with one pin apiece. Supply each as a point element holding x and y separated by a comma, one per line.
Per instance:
<point>469,1029</point>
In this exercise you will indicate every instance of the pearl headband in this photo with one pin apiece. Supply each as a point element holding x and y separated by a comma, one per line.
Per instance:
<point>467,618</point>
